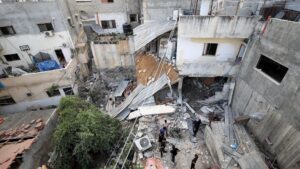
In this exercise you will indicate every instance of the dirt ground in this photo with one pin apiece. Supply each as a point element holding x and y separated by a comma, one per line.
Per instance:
<point>148,67</point>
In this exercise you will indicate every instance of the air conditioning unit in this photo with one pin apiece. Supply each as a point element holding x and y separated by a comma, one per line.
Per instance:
<point>49,33</point>
<point>143,143</point>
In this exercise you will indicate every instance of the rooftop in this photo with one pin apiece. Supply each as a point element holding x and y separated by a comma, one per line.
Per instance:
<point>18,131</point>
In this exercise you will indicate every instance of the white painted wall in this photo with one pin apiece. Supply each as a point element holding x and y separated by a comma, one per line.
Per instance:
<point>119,17</point>
<point>37,43</point>
<point>205,7</point>
<point>190,50</point>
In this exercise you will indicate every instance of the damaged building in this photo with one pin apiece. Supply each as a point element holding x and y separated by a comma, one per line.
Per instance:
<point>42,55</point>
<point>215,81</point>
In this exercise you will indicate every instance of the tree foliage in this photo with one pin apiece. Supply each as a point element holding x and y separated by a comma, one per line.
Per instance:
<point>83,132</point>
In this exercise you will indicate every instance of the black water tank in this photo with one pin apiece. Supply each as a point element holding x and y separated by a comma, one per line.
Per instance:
<point>127,29</point>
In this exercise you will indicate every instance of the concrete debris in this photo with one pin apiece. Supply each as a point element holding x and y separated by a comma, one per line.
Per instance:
<point>207,110</point>
<point>138,96</point>
<point>151,110</point>
<point>242,119</point>
<point>219,96</point>
<point>218,142</point>
<point>121,88</point>
<point>23,131</point>
<point>9,152</point>
<point>189,107</point>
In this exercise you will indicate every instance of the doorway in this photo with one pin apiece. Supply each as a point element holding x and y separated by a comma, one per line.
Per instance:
<point>61,57</point>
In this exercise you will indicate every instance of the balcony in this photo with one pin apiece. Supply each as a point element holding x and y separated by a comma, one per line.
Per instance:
<point>29,79</point>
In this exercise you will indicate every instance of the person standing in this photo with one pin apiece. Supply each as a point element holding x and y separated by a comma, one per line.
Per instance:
<point>174,152</point>
<point>194,161</point>
<point>196,125</point>
<point>166,127</point>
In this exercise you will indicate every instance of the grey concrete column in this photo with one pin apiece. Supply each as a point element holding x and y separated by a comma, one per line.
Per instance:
<point>179,100</point>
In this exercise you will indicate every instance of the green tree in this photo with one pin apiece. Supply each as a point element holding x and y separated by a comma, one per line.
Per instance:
<point>82,133</point>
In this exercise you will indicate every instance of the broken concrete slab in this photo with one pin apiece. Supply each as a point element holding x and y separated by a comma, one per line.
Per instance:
<point>138,97</point>
<point>151,110</point>
<point>121,88</point>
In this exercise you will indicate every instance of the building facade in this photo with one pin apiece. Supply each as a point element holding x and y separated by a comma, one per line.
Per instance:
<point>41,49</point>
<point>212,46</point>
<point>267,89</point>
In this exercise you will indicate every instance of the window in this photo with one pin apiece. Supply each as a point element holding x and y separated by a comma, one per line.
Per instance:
<point>6,100</point>
<point>107,1</point>
<point>45,27</point>
<point>83,0</point>
<point>12,57</point>
<point>271,68</point>
<point>210,49</point>
<point>108,24</point>
<point>7,30</point>
<point>68,91</point>
<point>53,93</point>
<point>133,17</point>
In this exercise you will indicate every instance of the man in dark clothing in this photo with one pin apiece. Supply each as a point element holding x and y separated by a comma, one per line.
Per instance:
<point>162,145</point>
<point>196,125</point>
<point>174,152</point>
<point>194,161</point>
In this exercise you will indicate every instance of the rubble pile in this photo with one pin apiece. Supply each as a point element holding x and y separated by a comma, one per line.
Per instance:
<point>24,131</point>
<point>100,85</point>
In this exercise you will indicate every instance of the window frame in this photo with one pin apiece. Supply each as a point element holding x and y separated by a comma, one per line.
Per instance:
<point>268,75</point>
<point>110,23</point>
<point>11,32</point>
<point>135,16</point>
<point>54,94</point>
<point>10,102</point>
<point>46,25</point>
<point>206,49</point>
<point>68,88</point>
<point>12,60</point>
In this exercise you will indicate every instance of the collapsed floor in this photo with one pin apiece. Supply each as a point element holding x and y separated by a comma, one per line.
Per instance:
<point>151,96</point>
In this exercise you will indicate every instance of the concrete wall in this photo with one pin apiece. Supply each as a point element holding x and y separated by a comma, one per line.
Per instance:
<point>257,92</point>
<point>191,50</point>
<point>37,43</point>
<point>87,11</point>
<point>37,84</point>
<point>158,10</point>
<point>112,55</point>
<point>119,17</point>
<point>24,17</point>
<point>216,26</point>
<point>205,7</point>
<point>241,8</point>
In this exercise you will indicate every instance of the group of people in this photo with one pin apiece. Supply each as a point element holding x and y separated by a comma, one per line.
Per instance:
<point>163,133</point>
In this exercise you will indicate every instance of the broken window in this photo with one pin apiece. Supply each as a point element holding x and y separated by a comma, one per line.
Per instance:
<point>7,30</point>
<point>6,100</point>
<point>210,49</point>
<point>45,27</point>
<point>108,24</point>
<point>271,68</point>
<point>68,91</point>
<point>12,57</point>
<point>53,93</point>
<point>133,17</point>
